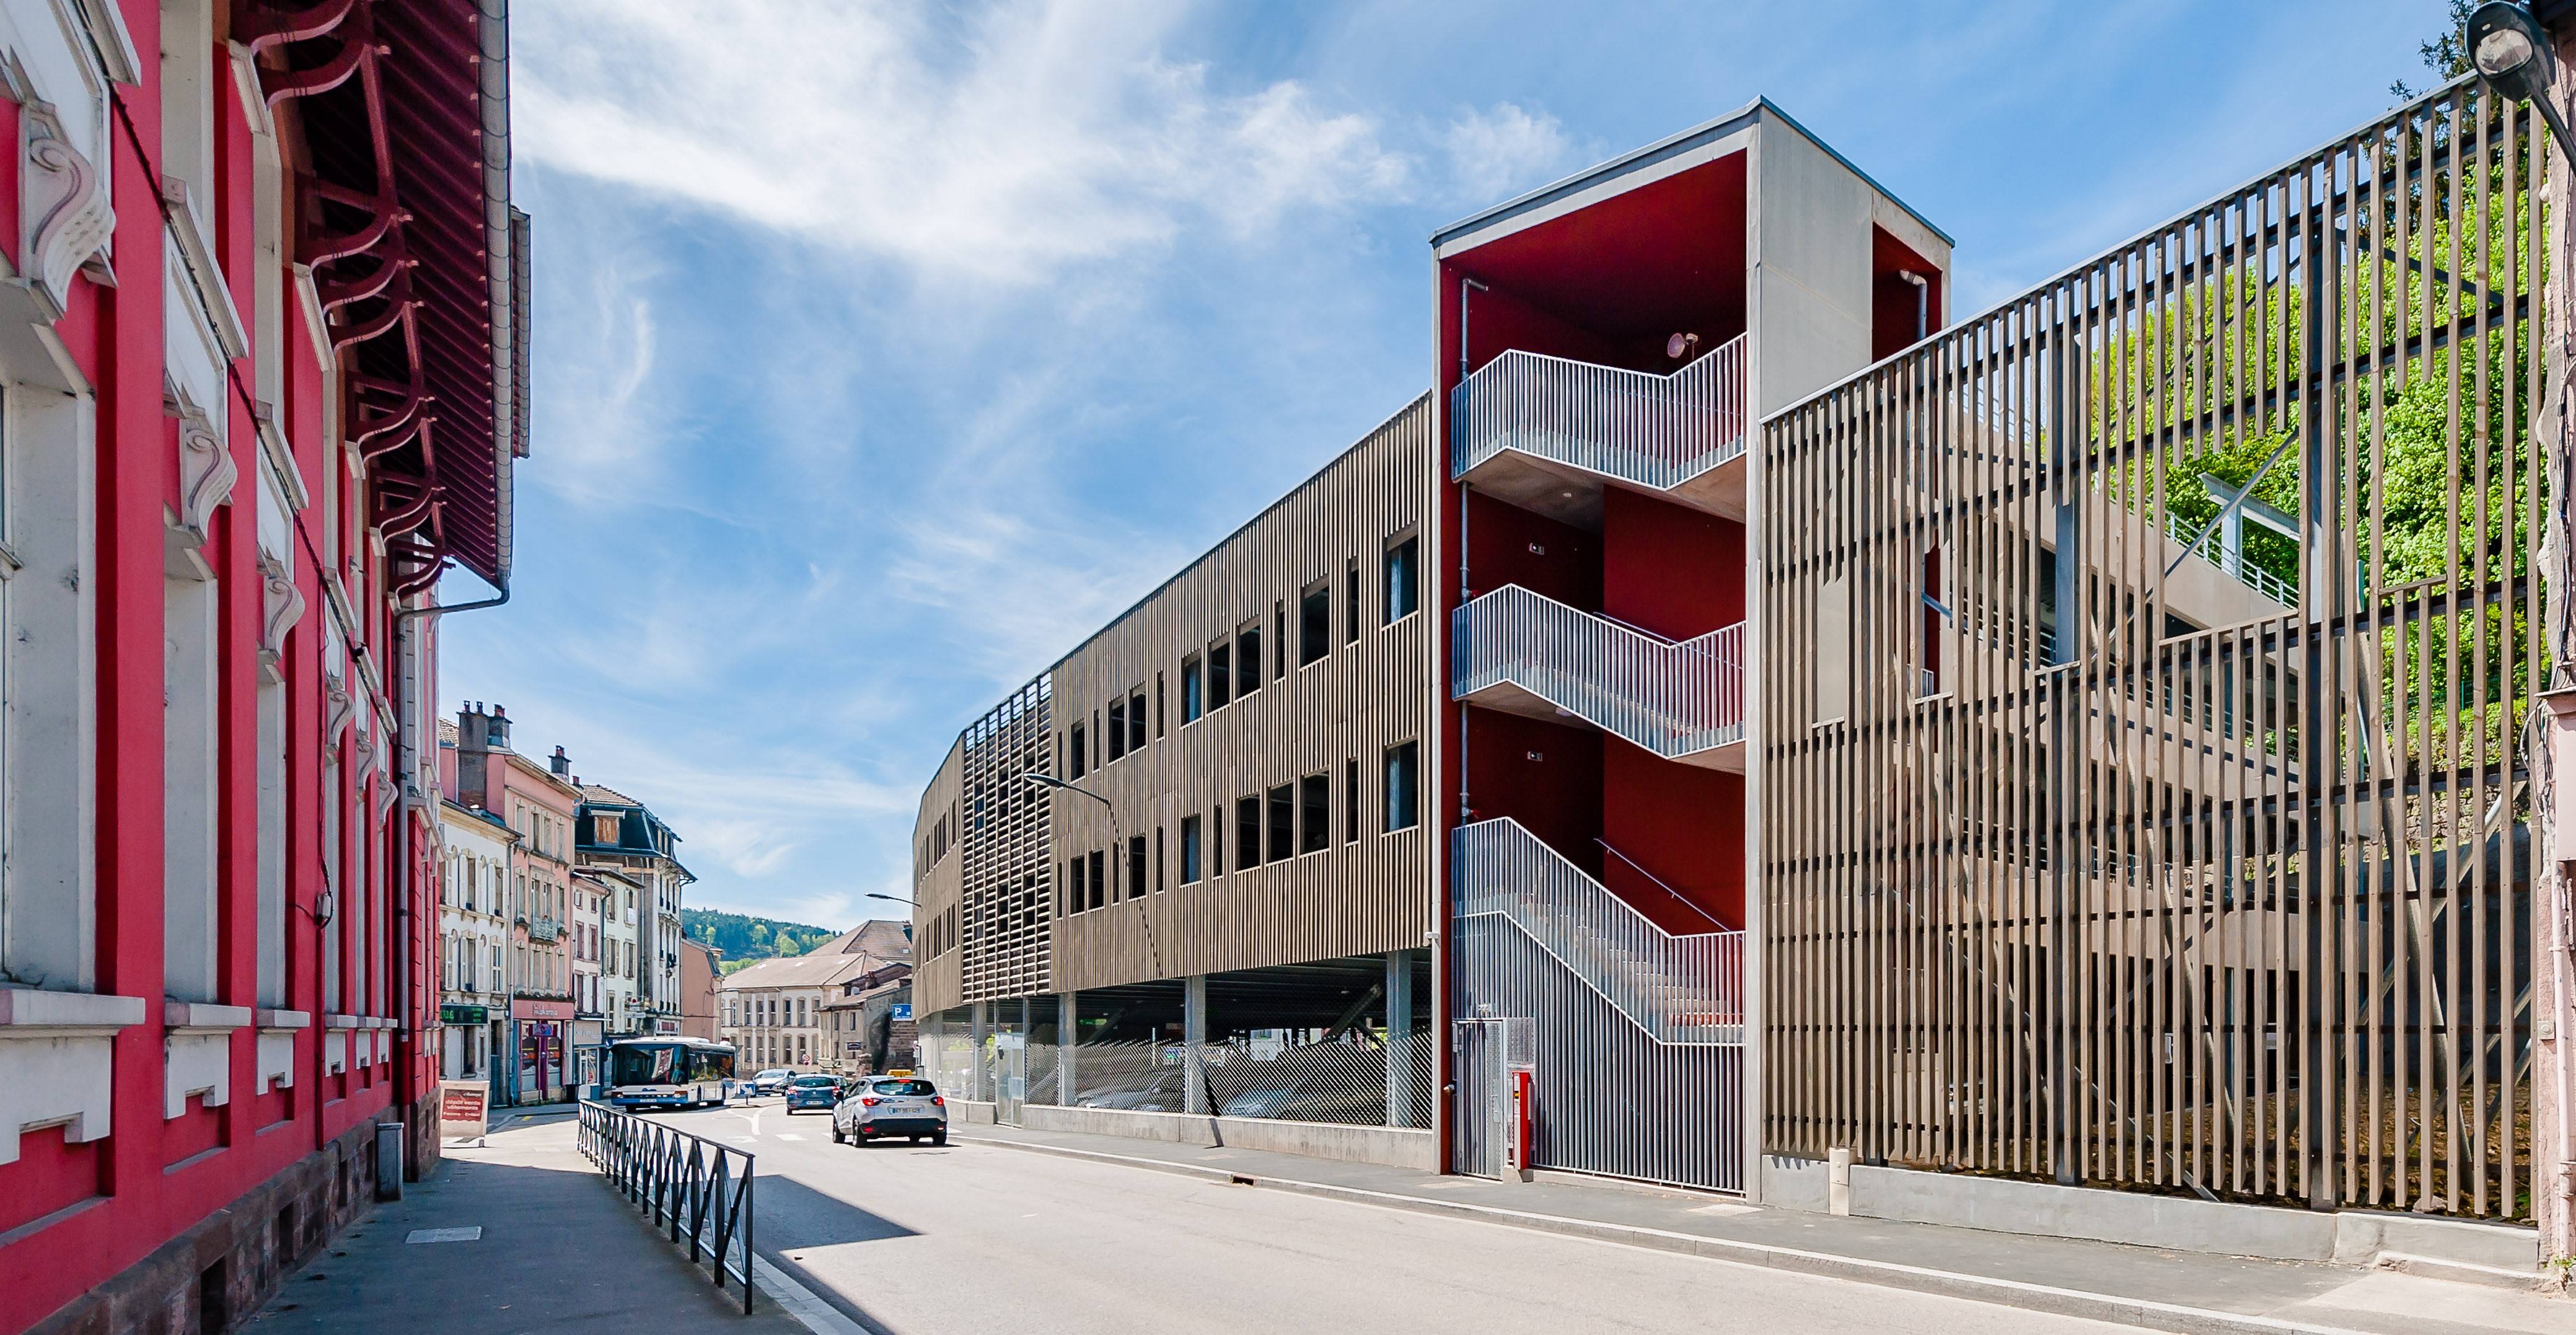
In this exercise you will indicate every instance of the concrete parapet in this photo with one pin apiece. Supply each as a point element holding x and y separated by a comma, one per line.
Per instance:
<point>1397,1147</point>
<point>2176,1223</point>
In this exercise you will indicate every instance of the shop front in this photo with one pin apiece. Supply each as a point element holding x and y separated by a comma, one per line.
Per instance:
<point>544,1037</point>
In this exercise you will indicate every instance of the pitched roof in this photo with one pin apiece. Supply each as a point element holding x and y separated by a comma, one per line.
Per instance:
<point>815,970</point>
<point>600,792</point>
<point>884,938</point>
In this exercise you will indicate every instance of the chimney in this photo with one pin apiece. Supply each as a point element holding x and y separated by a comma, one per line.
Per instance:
<point>473,755</point>
<point>560,763</point>
<point>500,728</point>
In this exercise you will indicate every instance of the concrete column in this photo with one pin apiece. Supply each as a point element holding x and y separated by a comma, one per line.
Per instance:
<point>1193,1041</point>
<point>1399,1029</point>
<point>1066,1035</point>
<point>980,1084</point>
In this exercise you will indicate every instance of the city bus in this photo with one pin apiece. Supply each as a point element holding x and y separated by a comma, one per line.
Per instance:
<point>668,1071</point>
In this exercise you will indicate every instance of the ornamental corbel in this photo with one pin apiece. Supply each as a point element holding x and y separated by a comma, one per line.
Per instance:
<point>281,605</point>
<point>63,198</point>
<point>206,472</point>
<point>336,712</point>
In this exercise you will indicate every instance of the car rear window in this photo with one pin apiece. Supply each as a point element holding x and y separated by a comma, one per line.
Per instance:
<point>907,1088</point>
<point>810,1081</point>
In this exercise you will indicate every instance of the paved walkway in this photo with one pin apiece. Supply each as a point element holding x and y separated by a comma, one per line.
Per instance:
<point>2021,1270</point>
<point>560,1251</point>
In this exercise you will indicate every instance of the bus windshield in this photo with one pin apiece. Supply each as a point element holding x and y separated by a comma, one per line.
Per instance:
<point>647,1064</point>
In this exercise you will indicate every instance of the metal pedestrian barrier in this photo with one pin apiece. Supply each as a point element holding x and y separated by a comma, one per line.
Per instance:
<point>686,1181</point>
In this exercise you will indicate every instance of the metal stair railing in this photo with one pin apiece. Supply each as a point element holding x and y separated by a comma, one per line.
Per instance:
<point>1657,431</point>
<point>1674,698</point>
<point>1678,989</point>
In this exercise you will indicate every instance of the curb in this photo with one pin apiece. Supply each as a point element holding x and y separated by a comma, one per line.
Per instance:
<point>2138,1312</point>
<point>797,1301</point>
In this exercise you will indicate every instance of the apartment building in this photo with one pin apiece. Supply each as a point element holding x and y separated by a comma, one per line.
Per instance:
<point>615,906</point>
<point>700,996</point>
<point>772,1011</point>
<point>858,1023</point>
<point>618,833</point>
<point>1204,832</point>
<point>537,801</point>
<point>474,936</point>
<point>246,245</point>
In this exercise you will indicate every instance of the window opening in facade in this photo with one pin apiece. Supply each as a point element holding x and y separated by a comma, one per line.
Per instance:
<point>1403,579</point>
<point>1315,814</point>
<point>1099,879</point>
<point>1351,802</point>
<point>1117,728</point>
<point>1135,866</point>
<point>1283,822</point>
<point>1279,638</point>
<point>1402,773</point>
<point>1247,833</point>
<point>1314,624</point>
<point>1220,655</point>
<point>1193,703</point>
<point>1247,660</point>
<point>1078,769</point>
<point>1189,850</point>
<point>1136,719</point>
<point>1351,603</point>
<point>1158,704</point>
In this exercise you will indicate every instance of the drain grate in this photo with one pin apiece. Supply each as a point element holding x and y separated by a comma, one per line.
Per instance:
<point>473,1233</point>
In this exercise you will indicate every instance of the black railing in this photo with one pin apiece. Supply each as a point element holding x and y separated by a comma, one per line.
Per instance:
<point>687,1181</point>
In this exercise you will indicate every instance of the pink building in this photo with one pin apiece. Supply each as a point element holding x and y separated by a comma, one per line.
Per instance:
<point>539,801</point>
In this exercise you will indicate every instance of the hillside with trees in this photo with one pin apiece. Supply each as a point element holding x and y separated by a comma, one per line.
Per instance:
<point>742,938</point>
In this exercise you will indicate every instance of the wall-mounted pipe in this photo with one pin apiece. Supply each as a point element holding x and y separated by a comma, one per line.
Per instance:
<point>1922,302</point>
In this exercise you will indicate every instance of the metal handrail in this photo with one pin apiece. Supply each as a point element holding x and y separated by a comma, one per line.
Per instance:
<point>1658,431</point>
<point>688,1181</point>
<point>2208,547</point>
<point>1677,988</point>
<point>1678,896</point>
<point>1674,699</point>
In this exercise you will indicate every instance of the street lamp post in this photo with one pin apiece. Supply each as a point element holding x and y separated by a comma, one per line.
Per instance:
<point>2512,54</point>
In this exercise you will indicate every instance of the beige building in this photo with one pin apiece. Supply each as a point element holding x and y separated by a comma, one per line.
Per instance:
<point>772,1011</point>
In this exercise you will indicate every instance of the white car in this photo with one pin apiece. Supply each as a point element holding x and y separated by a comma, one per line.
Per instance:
<point>771,1081</point>
<point>891,1106</point>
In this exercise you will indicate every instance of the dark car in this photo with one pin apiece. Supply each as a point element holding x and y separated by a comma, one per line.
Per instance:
<point>813,1091</point>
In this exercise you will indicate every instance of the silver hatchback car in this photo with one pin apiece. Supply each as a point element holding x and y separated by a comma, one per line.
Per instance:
<point>890,1106</point>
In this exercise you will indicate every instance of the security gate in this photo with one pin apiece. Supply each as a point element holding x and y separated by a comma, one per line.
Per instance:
<point>1492,1064</point>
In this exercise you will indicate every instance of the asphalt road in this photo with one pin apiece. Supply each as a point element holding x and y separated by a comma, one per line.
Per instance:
<point>913,1240</point>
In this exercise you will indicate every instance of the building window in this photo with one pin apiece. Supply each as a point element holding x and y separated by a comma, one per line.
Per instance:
<point>1351,602</point>
<point>1192,702</point>
<point>603,829</point>
<point>1247,833</point>
<point>1216,841</point>
<point>1158,704</point>
<point>1351,802</point>
<point>1135,866</point>
<point>1117,727</point>
<point>1279,639</point>
<point>1220,655</point>
<point>1403,579</point>
<point>1314,814</point>
<point>1073,884</point>
<point>1283,821</point>
<point>1136,719</point>
<point>1099,879</point>
<point>1247,659</point>
<point>1315,624</point>
<point>1077,754</point>
<point>1402,773</point>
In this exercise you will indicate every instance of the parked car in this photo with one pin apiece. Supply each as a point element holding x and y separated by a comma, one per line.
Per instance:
<point>1154,1091</point>
<point>771,1081</point>
<point>884,1108</point>
<point>814,1091</point>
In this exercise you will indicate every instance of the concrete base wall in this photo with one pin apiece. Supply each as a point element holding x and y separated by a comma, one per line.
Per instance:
<point>1399,1147</point>
<point>2352,1237</point>
<point>264,1233</point>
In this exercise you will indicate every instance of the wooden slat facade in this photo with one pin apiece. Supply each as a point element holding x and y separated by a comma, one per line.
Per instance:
<point>2091,858</point>
<point>1335,718</point>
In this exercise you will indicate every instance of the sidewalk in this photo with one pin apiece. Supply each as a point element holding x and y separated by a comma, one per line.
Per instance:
<point>559,1251</point>
<point>2176,1291</point>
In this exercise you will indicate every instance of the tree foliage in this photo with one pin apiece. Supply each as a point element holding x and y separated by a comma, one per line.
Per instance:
<point>744,937</point>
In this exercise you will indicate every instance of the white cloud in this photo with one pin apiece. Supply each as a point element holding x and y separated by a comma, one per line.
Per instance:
<point>1496,152</point>
<point>1035,133</point>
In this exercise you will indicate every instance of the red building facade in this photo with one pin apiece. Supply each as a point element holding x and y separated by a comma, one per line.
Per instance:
<point>260,358</point>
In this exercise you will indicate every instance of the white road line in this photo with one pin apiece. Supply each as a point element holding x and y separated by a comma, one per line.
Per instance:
<point>789,1135</point>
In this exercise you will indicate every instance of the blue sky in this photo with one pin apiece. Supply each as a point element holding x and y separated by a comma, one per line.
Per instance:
<point>884,350</point>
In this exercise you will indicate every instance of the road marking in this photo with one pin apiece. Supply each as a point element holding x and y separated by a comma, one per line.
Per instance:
<point>789,1135</point>
<point>473,1233</point>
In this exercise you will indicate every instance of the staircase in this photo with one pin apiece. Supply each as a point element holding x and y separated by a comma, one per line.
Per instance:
<point>1678,989</point>
<point>1657,433</point>
<point>1683,700</point>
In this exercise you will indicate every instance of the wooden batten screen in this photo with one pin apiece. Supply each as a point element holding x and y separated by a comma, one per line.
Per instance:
<point>1006,882</point>
<point>2147,663</point>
